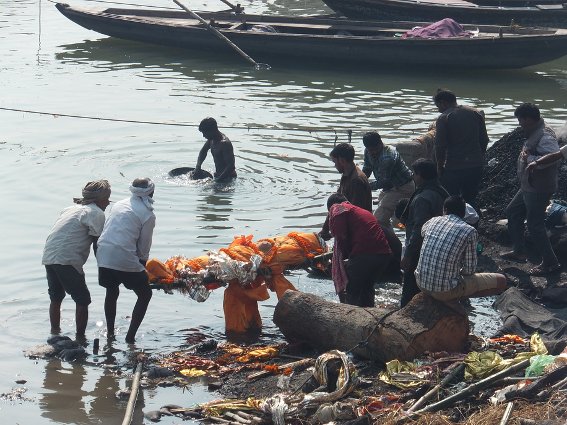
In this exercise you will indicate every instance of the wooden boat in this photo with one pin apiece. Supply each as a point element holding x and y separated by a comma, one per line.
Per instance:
<point>339,42</point>
<point>493,12</point>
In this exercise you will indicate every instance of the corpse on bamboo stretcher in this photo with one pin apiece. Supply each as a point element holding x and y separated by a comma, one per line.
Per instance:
<point>247,269</point>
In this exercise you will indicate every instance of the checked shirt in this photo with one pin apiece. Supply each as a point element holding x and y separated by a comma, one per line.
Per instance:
<point>447,253</point>
<point>389,166</point>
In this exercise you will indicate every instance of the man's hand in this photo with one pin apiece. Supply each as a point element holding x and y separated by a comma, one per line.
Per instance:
<point>524,155</point>
<point>324,235</point>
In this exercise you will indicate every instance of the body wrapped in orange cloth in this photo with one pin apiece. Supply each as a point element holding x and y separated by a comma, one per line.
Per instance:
<point>248,268</point>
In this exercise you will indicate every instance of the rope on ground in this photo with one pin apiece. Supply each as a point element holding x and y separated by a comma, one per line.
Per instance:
<point>133,395</point>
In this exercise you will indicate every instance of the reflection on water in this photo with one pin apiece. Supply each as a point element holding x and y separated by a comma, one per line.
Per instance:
<point>68,400</point>
<point>64,385</point>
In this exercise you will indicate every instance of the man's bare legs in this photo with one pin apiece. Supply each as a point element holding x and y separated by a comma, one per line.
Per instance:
<point>110,309</point>
<point>55,317</point>
<point>144,297</point>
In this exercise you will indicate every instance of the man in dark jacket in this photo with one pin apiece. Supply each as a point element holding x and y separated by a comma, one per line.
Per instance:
<point>537,184</point>
<point>425,203</point>
<point>460,145</point>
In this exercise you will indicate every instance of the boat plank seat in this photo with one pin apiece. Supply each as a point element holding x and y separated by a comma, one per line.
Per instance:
<point>328,29</point>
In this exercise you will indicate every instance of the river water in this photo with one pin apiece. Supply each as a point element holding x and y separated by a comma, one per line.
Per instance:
<point>283,123</point>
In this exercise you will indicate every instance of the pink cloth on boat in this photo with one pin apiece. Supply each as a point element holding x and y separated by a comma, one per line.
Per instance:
<point>445,28</point>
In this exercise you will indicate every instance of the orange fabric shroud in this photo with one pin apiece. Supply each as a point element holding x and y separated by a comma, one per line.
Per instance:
<point>241,301</point>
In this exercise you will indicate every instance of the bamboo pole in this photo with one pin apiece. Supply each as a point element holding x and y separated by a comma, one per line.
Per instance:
<point>427,396</point>
<point>133,395</point>
<point>507,413</point>
<point>218,34</point>
<point>471,389</point>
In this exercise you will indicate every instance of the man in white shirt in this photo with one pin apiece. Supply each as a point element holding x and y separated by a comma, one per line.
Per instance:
<point>67,249</point>
<point>123,249</point>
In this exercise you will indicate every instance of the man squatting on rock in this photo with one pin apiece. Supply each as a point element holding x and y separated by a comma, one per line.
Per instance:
<point>448,259</point>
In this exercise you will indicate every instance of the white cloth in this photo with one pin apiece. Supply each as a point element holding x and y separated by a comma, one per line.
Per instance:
<point>471,216</point>
<point>563,151</point>
<point>69,242</point>
<point>144,194</point>
<point>127,236</point>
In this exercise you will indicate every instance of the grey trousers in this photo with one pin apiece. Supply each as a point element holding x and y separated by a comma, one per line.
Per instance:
<point>530,206</point>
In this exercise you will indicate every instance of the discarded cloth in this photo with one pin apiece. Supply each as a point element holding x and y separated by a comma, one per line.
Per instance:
<point>521,316</point>
<point>445,28</point>
<point>404,375</point>
<point>479,365</point>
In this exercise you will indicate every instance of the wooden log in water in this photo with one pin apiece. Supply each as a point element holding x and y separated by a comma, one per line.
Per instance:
<point>373,333</point>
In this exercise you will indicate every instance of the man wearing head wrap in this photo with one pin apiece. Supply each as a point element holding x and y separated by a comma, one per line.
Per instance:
<point>67,249</point>
<point>123,249</point>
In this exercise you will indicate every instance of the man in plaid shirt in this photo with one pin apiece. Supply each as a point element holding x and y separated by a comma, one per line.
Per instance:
<point>448,258</point>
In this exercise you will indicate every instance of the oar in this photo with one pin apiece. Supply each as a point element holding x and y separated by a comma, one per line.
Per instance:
<point>220,36</point>
<point>237,9</point>
<point>193,175</point>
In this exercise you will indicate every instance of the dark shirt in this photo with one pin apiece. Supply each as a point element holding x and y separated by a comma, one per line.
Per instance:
<point>461,138</point>
<point>356,231</point>
<point>425,203</point>
<point>356,189</point>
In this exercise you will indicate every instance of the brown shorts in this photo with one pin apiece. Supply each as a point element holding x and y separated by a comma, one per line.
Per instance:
<point>471,285</point>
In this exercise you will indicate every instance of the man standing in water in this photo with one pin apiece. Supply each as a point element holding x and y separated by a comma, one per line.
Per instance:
<point>221,149</point>
<point>67,249</point>
<point>123,249</point>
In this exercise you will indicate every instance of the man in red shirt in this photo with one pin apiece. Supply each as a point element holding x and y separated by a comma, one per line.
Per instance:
<point>361,251</point>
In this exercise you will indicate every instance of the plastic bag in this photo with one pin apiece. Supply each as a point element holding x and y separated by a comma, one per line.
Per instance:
<point>538,364</point>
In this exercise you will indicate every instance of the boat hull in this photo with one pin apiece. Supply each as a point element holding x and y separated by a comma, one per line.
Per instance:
<point>173,30</point>
<point>414,10</point>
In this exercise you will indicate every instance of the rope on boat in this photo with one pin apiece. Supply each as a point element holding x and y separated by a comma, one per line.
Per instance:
<point>133,395</point>
<point>181,124</point>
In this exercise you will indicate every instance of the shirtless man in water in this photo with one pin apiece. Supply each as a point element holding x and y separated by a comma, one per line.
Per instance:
<point>221,149</point>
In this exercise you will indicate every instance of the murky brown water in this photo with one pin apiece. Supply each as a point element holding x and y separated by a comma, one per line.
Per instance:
<point>51,65</point>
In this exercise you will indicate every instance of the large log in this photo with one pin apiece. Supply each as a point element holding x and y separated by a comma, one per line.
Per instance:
<point>423,325</point>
